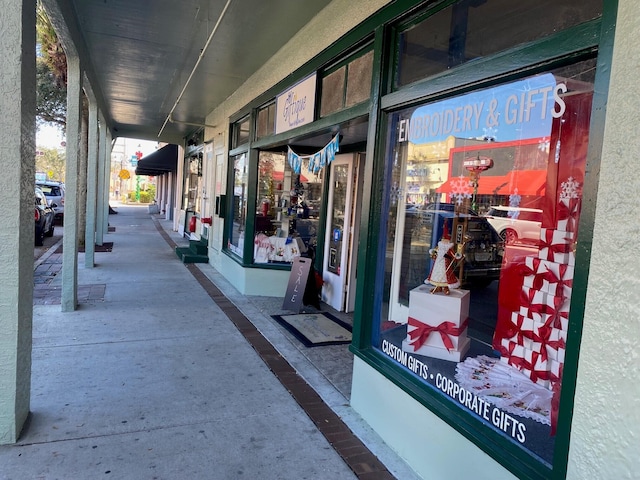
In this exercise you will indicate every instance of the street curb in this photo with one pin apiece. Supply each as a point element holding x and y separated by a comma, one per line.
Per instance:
<point>47,254</point>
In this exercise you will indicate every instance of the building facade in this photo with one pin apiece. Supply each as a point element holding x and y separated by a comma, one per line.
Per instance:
<point>382,134</point>
<point>379,142</point>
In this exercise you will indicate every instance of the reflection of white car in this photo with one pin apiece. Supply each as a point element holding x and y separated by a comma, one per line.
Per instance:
<point>54,191</point>
<point>513,223</point>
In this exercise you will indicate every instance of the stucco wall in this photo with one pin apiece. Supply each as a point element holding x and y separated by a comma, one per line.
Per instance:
<point>17,163</point>
<point>330,25</point>
<point>427,443</point>
<point>605,439</point>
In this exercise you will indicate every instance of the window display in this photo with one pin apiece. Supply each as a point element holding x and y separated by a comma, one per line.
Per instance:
<point>287,209</point>
<point>480,228</point>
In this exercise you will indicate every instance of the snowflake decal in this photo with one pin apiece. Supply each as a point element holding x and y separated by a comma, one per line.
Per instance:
<point>569,189</point>
<point>460,189</point>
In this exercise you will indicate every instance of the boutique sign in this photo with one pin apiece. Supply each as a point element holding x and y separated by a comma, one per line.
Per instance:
<point>518,110</point>
<point>296,106</point>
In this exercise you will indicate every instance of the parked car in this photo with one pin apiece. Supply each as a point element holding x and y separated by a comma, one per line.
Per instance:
<point>44,216</point>
<point>483,247</point>
<point>515,224</point>
<point>54,191</point>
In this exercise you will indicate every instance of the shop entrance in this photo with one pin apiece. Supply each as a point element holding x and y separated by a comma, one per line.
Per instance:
<point>341,233</point>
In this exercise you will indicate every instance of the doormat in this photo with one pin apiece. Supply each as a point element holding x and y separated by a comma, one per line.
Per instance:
<point>105,247</point>
<point>316,329</point>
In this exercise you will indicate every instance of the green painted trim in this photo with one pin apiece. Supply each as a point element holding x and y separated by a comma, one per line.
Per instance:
<point>325,124</point>
<point>251,193</point>
<point>585,239</point>
<point>371,200</point>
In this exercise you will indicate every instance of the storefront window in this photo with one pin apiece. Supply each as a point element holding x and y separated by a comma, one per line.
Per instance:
<point>347,85</point>
<point>238,226</point>
<point>470,30</point>
<point>240,132</point>
<point>481,222</point>
<point>287,209</point>
<point>266,120</point>
<point>192,183</point>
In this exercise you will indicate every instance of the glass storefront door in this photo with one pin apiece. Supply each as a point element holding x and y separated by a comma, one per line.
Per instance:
<point>338,252</point>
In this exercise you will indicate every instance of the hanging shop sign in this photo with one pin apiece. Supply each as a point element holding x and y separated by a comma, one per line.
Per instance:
<point>318,160</point>
<point>296,106</point>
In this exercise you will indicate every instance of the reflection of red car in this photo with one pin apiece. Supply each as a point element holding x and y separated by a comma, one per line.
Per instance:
<point>514,224</point>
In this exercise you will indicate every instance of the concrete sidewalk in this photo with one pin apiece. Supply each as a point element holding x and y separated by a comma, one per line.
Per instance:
<point>153,380</point>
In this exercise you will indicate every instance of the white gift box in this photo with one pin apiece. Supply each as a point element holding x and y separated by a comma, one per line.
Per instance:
<point>529,297</point>
<point>570,207</point>
<point>566,258</point>
<point>435,308</point>
<point>514,349</point>
<point>543,383</point>
<point>523,323</point>
<point>562,241</point>
<point>531,344</point>
<point>555,278</point>
<point>546,308</point>
<point>555,354</point>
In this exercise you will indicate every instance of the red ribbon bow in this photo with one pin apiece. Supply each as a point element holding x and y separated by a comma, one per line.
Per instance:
<point>421,332</point>
<point>526,271</point>
<point>570,213</point>
<point>522,364</point>
<point>544,332</point>
<point>560,279</point>
<point>546,241</point>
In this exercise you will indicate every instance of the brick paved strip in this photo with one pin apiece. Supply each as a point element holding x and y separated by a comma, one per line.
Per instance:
<point>356,455</point>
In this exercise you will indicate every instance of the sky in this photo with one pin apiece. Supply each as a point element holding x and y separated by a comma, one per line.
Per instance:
<point>52,137</point>
<point>49,137</point>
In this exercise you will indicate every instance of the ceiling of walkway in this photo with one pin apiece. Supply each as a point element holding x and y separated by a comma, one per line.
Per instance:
<point>151,62</point>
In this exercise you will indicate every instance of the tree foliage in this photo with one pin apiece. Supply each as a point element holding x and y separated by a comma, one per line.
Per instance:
<point>52,162</point>
<point>51,73</point>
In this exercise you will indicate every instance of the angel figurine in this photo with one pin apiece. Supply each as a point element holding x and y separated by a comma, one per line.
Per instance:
<point>442,275</point>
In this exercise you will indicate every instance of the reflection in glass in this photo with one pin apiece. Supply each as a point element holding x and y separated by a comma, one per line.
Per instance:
<point>340,179</point>
<point>473,29</point>
<point>499,172</point>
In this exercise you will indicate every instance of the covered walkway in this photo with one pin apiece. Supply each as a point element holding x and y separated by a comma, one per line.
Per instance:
<point>133,386</point>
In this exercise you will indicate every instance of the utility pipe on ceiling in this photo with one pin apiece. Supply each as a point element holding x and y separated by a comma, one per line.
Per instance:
<point>202,53</point>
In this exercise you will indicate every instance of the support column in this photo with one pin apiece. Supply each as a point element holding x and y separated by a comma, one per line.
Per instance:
<point>108,144</point>
<point>70,239</point>
<point>171,180</point>
<point>92,186</point>
<point>162,190</point>
<point>104,164</point>
<point>17,163</point>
